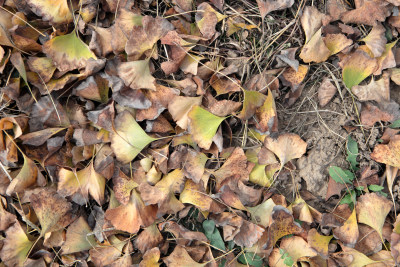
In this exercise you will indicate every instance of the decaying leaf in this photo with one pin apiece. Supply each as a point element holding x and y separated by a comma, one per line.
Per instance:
<point>49,208</point>
<point>286,147</point>
<point>132,216</point>
<point>372,210</point>
<point>56,12</point>
<point>68,52</point>
<point>136,74</point>
<point>82,183</point>
<point>326,91</point>
<point>78,237</point>
<point>267,6</point>
<point>129,138</point>
<point>16,246</point>
<point>375,90</point>
<point>356,67</point>
<point>388,154</point>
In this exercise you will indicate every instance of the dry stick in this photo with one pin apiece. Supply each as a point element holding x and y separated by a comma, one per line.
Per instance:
<point>23,21</point>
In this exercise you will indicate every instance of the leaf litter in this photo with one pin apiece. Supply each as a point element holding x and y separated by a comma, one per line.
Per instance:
<point>199,133</point>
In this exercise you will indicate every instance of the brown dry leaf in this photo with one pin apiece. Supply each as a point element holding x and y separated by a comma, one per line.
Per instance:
<point>370,114</point>
<point>82,183</point>
<point>6,218</point>
<point>123,187</point>
<point>142,38</point>
<point>388,154</point>
<point>383,258</point>
<point>376,40</point>
<point>43,66</point>
<point>286,147</point>
<point>108,253</point>
<point>206,19</point>
<point>282,224</point>
<point>149,238</point>
<point>267,6</point>
<point>352,258</point>
<point>235,167</point>
<point>372,210</point>
<point>348,232</point>
<point>369,241</point>
<point>136,74</point>
<point>49,208</point>
<point>316,50</point>
<point>367,12</point>
<point>132,216</point>
<point>378,91</point>
<point>163,193</point>
<point>180,257</point>
<point>335,8</point>
<point>294,78</point>
<point>179,108</point>
<point>224,85</point>
<point>296,247</point>
<point>183,236</point>
<point>326,91</point>
<point>311,21</point>
<point>288,58</point>
<point>194,165</point>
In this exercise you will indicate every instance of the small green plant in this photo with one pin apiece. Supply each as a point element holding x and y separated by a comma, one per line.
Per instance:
<point>287,260</point>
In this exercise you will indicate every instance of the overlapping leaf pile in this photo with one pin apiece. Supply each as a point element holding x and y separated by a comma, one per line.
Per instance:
<point>120,128</point>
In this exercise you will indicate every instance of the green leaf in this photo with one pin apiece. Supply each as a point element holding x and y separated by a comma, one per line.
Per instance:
<point>129,138</point>
<point>287,260</point>
<point>251,259</point>
<point>203,126</point>
<point>349,199</point>
<point>375,188</point>
<point>352,153</point>
<point>395,124</point>
<point>341,176</point>
<point>213,235</point>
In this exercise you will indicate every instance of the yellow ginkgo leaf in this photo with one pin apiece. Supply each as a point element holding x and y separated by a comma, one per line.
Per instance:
<point>348,232</point>
<point>81,184</point>
<point>252,101</point>
<point>129,138</point>
<point>16,246</point>
<point>68,52</point>
<point>136,74</point>
<point>372,210</point>
<point>25,178</point>
<point>55,11</point>
<point>356,67</point>
<point>376,40</point>
<point>78,237</point>
<point>319,242</point>
<point>261,214</point>
<point>203,126</point>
